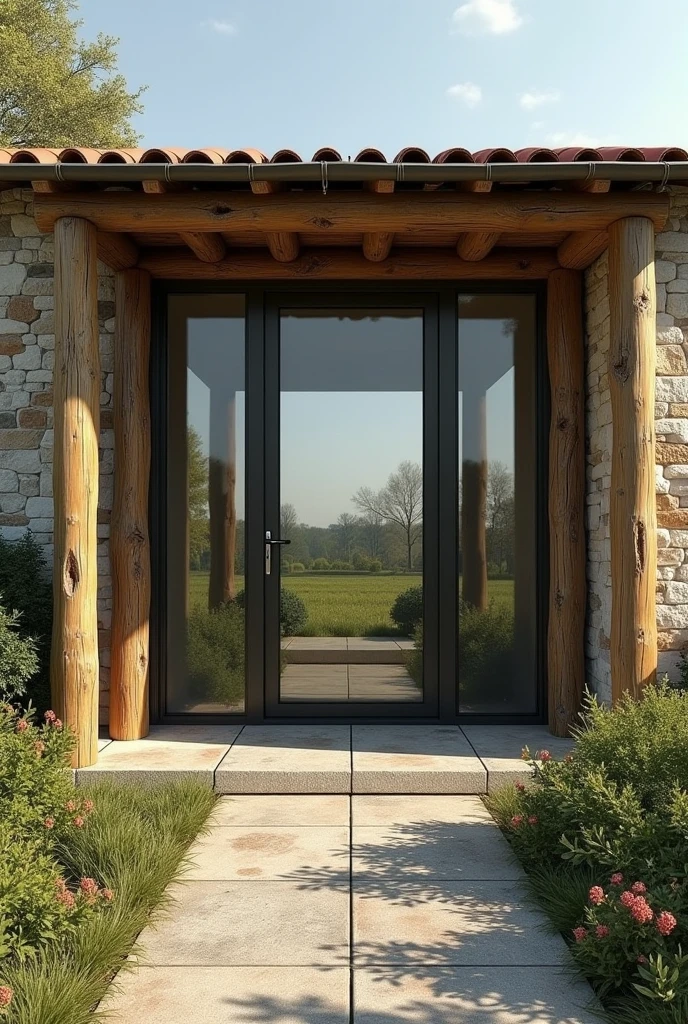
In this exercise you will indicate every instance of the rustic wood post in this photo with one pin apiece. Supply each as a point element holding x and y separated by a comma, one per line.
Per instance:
<point>129,543</point>
<point>74,655</point>
<point>567,586</point>
<point>474,500</point>
<point>633,519</point>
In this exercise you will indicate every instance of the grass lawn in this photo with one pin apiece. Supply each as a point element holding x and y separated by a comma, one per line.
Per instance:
<point>352,605</point>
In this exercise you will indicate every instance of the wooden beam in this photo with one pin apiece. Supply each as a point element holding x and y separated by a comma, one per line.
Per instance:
<point>633,519</point>
<point>474,500</point>
<point>283,245</point>
<point>118,252</point>
<point>476,246</point>
<point>582,248</point>
<point>129,543</point>
<point>209,248</point>
<point>349,265</point>
<point>154,188</point>
<point>74,656</point>
<point>567,584</point>
<point>349,211</point>
<point>377,245</point>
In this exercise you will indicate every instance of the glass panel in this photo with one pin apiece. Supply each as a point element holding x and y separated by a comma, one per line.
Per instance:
<point>497,500</point>
<point>206,444</point>
<point>351,505</point>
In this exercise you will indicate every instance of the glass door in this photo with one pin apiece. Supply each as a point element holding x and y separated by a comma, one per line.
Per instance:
<point>350,545</point>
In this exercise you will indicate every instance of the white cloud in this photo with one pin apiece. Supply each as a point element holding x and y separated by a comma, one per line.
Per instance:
<point>533,99</point>
<point>467,93</point>
<point>561,139</point>
<point>494,16</point>
<point>223,28</point>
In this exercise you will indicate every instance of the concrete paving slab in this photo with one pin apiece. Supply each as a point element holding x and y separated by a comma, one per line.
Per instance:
<point>231,995</point>
<point>380,809</point>
<point>326,809</point>
<point>251,923</point>
<point>508,741</point>
<point>314,682</point>
<point>288,759</point>
<point>414,759</point>
<point>103,742</point>
<point>167,753</point>
<point>473,924</point>
<point>274,852</point>
<point>431,849</point>
<point>468,995</point>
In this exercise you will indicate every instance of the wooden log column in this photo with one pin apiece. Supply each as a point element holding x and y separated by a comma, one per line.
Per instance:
<point>567,586</point>
<point>633,519</point>
<point>129,542</point>
<point>74,655</point>
<point>474,500</point>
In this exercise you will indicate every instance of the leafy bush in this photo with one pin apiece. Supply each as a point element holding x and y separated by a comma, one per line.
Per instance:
<point>18,658</point>
<point>293,614</point>
<point>341,565</point>
<point>297,567</point>
<point>486,643</point>
<point>216,653</point>
<point>25,587</point>
<point>319,564</point>
<point>414,658</point>
<point>375,565</point>
<point>407,610</point>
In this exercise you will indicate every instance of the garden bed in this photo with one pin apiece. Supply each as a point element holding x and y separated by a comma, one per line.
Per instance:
<point>81,871</point>
<point>603,835</point>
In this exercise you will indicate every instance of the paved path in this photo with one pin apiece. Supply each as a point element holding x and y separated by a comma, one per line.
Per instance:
<point>336,909</point>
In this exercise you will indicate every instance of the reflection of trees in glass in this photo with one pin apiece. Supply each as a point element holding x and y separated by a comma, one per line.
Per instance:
<point>346,529</point>
<point>288,521</point>
<point>500,519</point>
<point>199,536</point>
<point>400,501</point>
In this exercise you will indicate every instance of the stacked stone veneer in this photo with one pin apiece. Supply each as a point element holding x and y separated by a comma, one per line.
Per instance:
<point>27,343</point>
<point>671,412</point>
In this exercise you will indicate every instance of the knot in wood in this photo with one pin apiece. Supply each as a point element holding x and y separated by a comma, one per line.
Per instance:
<point>322,222</point>
<point>220,210</point>
<point>71,576</point>
<point>642,302</point>
<point>562,422</point>
<point>621,369</point>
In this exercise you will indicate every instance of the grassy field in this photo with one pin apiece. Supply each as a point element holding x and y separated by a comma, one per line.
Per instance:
<point>348,605</point>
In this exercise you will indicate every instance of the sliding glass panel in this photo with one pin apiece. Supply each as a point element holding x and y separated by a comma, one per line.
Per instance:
<point>206,518</point>
<point>498,501</point>
<point>351,501</point>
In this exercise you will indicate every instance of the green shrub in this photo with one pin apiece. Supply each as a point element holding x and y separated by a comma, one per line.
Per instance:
<point>486,644</point>
<point>319,564</point>
<point>297,567</point>
<point>407,610</point>
<point>375,565</point>
<point>18,658</point>
<point>25,587</point>
<point>414,658</point>
<point>293,614</point>
<point>216,653</point>
<point>341,565</point>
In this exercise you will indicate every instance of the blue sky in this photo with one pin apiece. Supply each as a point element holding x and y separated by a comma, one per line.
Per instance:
<point>390,73</point>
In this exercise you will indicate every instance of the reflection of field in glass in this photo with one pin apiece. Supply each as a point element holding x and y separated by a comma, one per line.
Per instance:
<point>355,605</point>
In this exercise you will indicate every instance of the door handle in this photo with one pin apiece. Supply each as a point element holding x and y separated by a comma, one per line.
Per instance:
<point>269,541</point>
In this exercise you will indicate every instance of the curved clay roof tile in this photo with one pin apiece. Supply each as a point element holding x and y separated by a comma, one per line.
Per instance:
<point>535,155</point>
<point>370,156</point>
<point>327,153</point>
<point>79,155</point>
<point>411,155</point>
<point>246,156</point>
<point>285,156</point>
<point>495,156</point>
<point>120,156</point>
<point>659,153</point>
<point>173,155</point>
<point>206,156</point>
<point>573,154</point>
<point>457,155</point>
<point>621,153</point>
<point>34,156</point>
<point>5,156</point>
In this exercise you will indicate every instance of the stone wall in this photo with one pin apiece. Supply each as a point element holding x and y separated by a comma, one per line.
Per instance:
<point>27,343</point>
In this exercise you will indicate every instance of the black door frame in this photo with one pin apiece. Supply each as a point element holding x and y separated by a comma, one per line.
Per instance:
<point>442,437</point>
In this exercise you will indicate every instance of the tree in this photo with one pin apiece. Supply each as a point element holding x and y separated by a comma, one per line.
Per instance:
<point>56,89</point>
<point>197,469</point>
<point>500,514</point>
<point>288,521</point>
<point>371,531</point>
<point>400,501</point>
<point>346,528</point>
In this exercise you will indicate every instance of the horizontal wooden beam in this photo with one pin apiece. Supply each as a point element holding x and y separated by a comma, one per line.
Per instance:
<point>208,247</point>
<point>350,265</point>
<point>349,211</point>
<point>582,248</point>
<point>118,252</point>
<point>476,246</point>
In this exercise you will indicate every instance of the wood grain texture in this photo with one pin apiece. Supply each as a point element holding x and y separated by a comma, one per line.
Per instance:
<point>377,245</point>
<point>283,245</point>
<point>117,251</point>
<point>129,541</point>
<point>350,211</point>
<point>74,667</point>
<point>476,246</point>
<point>351,265</point>
<point>633,518</point>
<point>582,248</point>
<point>209,248</point>
<point>567,583</point>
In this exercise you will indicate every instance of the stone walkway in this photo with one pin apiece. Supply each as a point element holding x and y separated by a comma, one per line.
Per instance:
<point>364,909</point>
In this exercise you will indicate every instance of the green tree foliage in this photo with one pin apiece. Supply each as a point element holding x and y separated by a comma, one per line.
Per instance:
<point>57,89</point>
<point>18,658</point>
<point>26,588</point>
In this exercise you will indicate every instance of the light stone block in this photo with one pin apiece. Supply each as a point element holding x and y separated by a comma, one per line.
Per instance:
<point>414,759</point>
<point>287,759</point>
<point>672,616</point>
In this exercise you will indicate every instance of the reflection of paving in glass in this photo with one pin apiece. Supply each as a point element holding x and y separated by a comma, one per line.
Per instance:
<point>346,669</point>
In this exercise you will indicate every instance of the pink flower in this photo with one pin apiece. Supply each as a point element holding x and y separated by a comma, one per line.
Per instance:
<point>60,884</point>
<point>627,898</point>
<point>57,724</point>
<point>639,888</point>
<point>67,899</point>
<point>6,994</point>
<point>520,787</point>
<point>641,911</point>
<point>70,806</point>
<point>596,895</point>
<point>580,933</point>
<point>665,922</point>
<point>39,747</point>
<point>50,716</point>
<point>568,758</point>
<point>640,959</point>
<point>617,878</point>
<point>517,820</point>
<point>88,886</point>
<point>533,819</point>
<point>79,821</point>
<point>107,894</point>
<point>544,755</point>
<point>602,932</point>
<point>22,725</point>
<point>88,806</point>
<point>49,822</point>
